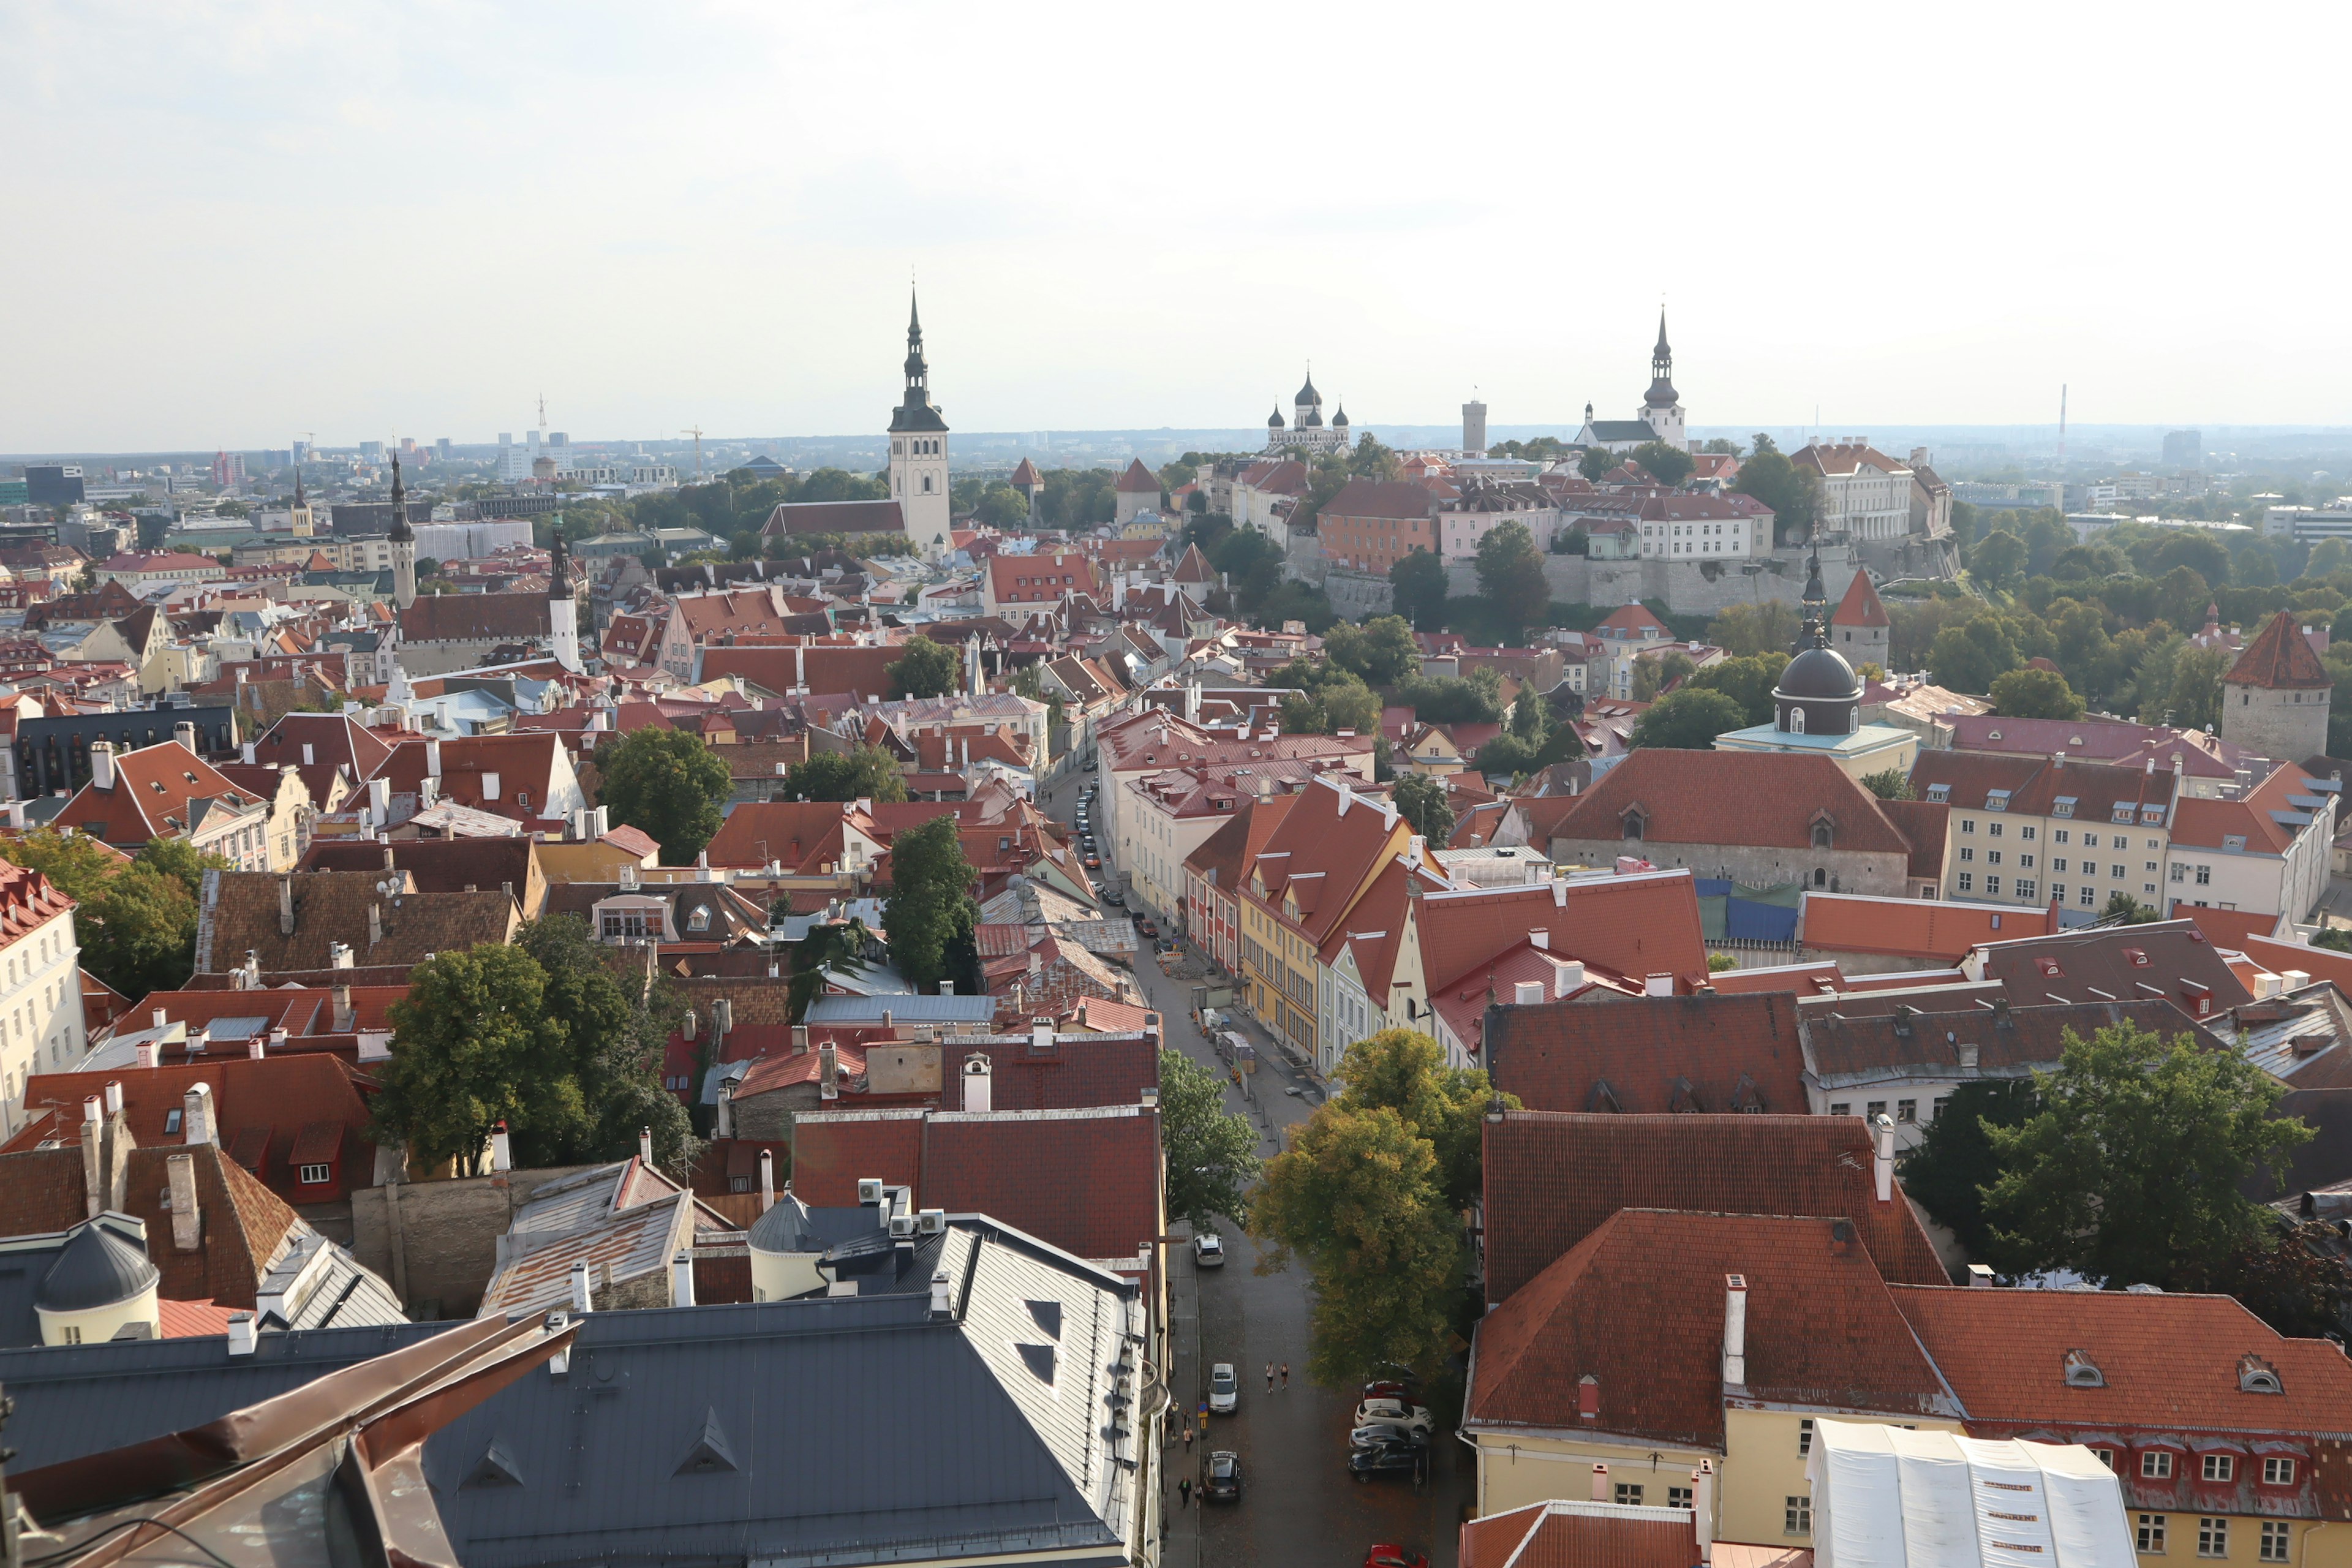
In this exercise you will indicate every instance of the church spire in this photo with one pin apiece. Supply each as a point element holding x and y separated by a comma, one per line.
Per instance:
<point>401,532</point>
<point>1816,604</point>
<point>1662,369</point>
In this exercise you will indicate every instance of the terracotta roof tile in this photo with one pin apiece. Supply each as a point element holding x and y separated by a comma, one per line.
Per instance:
<point>475,617</point>
<point>1930,930</point>
<point>1650,1054</point>
<point>1552,1177</point>
<point>240,915</point>
<point>2279,660</point>
<point>1565,1535</point>
<point>1629,926</point>
<point>1860,606</point>
<point>1760,799</point>
<point>2165,959</point>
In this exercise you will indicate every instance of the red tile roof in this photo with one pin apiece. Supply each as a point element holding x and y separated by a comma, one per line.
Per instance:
<point>1138,479</point>
<point>2170,959</point>
<point>151,798</point>
<point>1860,606</point>
<point>1638,1305</point>
<point>1381,499</point>
<point>1650,1054</point>
<point>1552,1177</point>
<point>2279,660</point>
<point>29,901</point>
<point>1759,800</point>
<point>799,835</point>
<point>2171,1362</point>
<point>1572,1535</point>
<point>1088,1180</point>
<point>1632,926</point>
<point>526,766</point>
<point>1930,930</point>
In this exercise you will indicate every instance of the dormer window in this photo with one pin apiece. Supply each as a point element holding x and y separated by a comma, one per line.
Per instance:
<point>1939,793</point>
<point>1820,834</point>
<point>700,918</point>
<point>2138,956</point>
<point>1633,826</point>
<point>2062,807</point>
<point>1992,734</point>
<point>2081,1371</point>
<point>1997,800</point>
<point>2122,811</point>
<point>2256,1375</point>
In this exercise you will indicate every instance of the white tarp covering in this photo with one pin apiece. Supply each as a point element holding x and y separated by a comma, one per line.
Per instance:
<point>1884,1497</point>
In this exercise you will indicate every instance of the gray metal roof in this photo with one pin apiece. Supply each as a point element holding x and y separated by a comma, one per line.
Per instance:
<point>903,1007</point>
<point>835,1430</point>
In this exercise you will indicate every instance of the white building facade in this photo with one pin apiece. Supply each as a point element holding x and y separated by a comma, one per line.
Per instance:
<point>41,1027</point>
<point>918,446</point>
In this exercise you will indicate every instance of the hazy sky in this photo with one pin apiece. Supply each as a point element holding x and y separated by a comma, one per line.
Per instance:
<point>229,224</point>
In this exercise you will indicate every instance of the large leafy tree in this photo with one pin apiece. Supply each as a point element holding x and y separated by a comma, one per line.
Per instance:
<point>1420,800</point>
<point>930,915</point>
<point>75,864</point>
<point>1955,1162</point>
<point>1670,466</point>
<point>1211,1153</point>
<point>614,1046</point>
<point>1761,629</point>
<point>473,1045</point>
<point>1381,651</point>
<point>1370,1196</point>
<point>1793,493</point>
<point>926,669</point>
<point>1511,575</point>
<point>2030,693</point>
<point>1417,583</point>
<point>1748,681</point>
<point>862,773</point>
<point>1688,720</point>
<point>667,783</point>
<point>139,934</point>
<point>1971,656</point>
<point>2131,1168</point>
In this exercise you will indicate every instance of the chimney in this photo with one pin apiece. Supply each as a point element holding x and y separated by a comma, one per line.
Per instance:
<point>1735,1330</point>
<point>979,1082</point>
<point>89,1116</point>
<point>1526,992</point>
<point>1567,978</point>
<point>490,786</point>
<point>828,1078</point>
<point>196,1114</point>
<point>1703,1508</point>
<point>1540,939</point>
<point>432,759</point>
<point>285,906</point>
<point>646,1146</point>
<point>501,1150</point>
<point>1980,1276</point>
<point>338,956</point>
<point>941,1302</point>
<point>2057,760</point>
<point>113,1097</point>
<point>1588,1398</point>
<point>102,764</point>
<point>681,1279</point>
<point>254,1046</point>
<point>241,1333</point>
<point>187,1225</point>
<point>1658,985</point>
<point>248,757</point>
<point>345,1020</point>
<point>767,1180</point>
<point>582,1298</point>
<point>1599,1482</point>
<point>185,734</point>
<point>726,1127</point>
<point>1882,1155</point>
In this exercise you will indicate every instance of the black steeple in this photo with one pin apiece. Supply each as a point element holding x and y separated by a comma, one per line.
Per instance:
<point>1662,371</point>
<point>401,533</point>
<point>1816,604</point>
<point>916,411</point>
<point>559,569</point>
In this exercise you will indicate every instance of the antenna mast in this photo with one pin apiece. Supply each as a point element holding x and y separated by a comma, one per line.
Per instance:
<point>697,433</point>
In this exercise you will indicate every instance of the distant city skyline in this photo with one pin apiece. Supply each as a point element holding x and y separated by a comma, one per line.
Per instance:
<point>395,220</point>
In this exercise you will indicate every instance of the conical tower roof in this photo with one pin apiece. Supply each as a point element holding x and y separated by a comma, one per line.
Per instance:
<point>2280,659</point>
<point>1861,606</point>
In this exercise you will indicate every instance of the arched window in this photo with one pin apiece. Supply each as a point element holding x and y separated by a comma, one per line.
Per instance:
<point>1796,720</point>
<point>1633,828</point>
<point>1821,876</point>
<point>1820,834</point>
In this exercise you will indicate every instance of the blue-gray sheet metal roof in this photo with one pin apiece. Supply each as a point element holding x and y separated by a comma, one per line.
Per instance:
<point>837,1430</point>
<point>95,1267</point>
<point>903,1007</point>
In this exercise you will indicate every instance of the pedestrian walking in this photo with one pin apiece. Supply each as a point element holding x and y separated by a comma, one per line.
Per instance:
<point>1184,1492</point>
<point>1269,1377</point>
<point>1285,1377</point>
<point>1188,1441</point>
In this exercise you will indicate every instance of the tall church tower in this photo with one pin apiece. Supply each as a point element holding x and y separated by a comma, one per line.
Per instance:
<point>918,445</point>
<point>299,516</point>
<point>1662,410</point>
<point>563,621</point>
<point>402,539</point>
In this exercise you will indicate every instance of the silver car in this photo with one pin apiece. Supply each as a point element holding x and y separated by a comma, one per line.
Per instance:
<point>1224,1389</point>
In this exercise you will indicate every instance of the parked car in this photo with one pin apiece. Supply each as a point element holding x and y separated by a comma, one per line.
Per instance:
<point>1382,1433</point>
<point>1388,1389</point>
<point>1396,1411</point>
<point>1224,1389</point>
<point>1386,1554</point>
<point>1388,1459</point>
<point>1208,1249</point>
<point>1112,897</point>
<point>1094,862</point>
<point>1223,1480</point>
<point>1147,927</point>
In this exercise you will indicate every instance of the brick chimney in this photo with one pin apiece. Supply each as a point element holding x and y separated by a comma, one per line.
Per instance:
<point>187,1224</point>
<point>196,1114</point>
<point>1735,1330</point>
<point>979,1082</point>
<point>1599,1482</point>
<point>285,906</point>
<point>1882,1156</point>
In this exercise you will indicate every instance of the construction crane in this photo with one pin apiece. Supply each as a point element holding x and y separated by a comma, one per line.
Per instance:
<point>697,434</point>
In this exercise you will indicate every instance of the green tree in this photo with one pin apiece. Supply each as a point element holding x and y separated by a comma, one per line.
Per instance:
<point>1372,460</point>
<point>1893,784</point>
<point>1652,673</point>
<point>826,943</point>
<point>1420,800</point>
<point>1793,493</point>
<point>1954,1162</point>
<point>1381,651</point>
<point>926,669</point>
<point>1417,583</point>
<point>1689,720</point>
<point>2124,910</point>
<point>1748,681</point>
<point>1758,630</point>
<point>2130,1169</point>
<point>1970,657</point>
<point>2193,699</point>
<point>1370,1194</point>
<point>1594,461</point>
<point>612,1049</point>
<point>667,784</point>
<point>75,864</point>
<point>1339,701</point>
<point>473,1045</point>
<point>1211,1153</point>
<point>862,773</point>
<point>2328,556</point>
<point>1506,756</point>
<point>2030,693</point>
<point>139,933</point>
<point>930,913</point>
<point>1511,574</point>
<point>1998,559</point>
<point>1670,466</point>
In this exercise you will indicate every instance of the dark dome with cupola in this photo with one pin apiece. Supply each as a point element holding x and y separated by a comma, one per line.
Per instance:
<point>1818,694</point>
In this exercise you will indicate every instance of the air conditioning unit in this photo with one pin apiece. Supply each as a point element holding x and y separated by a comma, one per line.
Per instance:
<point>930,1222</point>
<point>869,1190</point>
<point>902,1226</point>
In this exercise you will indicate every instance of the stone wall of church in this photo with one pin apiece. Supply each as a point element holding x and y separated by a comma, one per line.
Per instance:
<point>1356,594</point>
<point>1847,870</point>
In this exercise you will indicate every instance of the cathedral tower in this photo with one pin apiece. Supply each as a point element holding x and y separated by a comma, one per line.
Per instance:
<point>402,539</point>
<point>1662,409</point>
<point>918,445</point>
<point>562,622</point>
